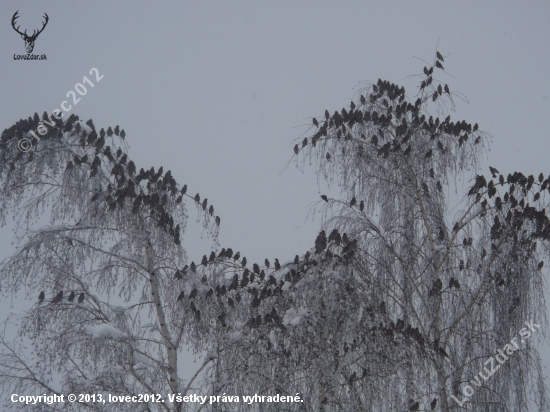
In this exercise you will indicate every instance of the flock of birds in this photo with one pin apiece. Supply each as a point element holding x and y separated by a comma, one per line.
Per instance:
<point>392,114</point>
<point>59,297</point>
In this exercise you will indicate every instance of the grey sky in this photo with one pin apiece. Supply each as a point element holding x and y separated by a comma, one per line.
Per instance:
<point>217,91</point>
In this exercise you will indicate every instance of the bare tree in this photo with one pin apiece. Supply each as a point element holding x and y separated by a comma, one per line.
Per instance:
<point>408,310</point>
<point>92,230</point>
<point>398,306</point>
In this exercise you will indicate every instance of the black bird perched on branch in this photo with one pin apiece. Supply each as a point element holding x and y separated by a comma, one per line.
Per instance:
<point>414,407</point>
<point>353,202</point>
<point>296,259</point>
<point>212,256</point>
<point>90,124</point>
<point>277,264</point>
<point>117,130</point>
<point>439,56</point>
<point>204,260</point>
<point>71,297</point>
<point>266,263</point>
<point>41,297</point>
<point>296,149</point>
<point>321,242</point>
<point>193,294</point>
<point>243,261</point>
<point>433,404</point>
<point>453,283</point>
<point>436,288</point>
<point>122,134</point>
<point>237,256</point>
<point>57,298</point>
<point>81,297</point>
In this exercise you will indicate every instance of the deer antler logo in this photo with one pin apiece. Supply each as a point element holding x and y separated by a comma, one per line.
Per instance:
<point>29,40</point>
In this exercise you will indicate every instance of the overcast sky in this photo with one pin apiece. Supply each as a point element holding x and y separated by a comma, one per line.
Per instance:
<point>218,91</point>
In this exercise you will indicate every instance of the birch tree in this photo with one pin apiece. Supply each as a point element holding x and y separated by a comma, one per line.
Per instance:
<point>98,243</point>
<point>405,302</point>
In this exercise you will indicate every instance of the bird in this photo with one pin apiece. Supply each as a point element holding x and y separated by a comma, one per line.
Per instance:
<point>90,124</point>
<point>193,267</point>
<point>383,307</point>
<point>237,256</point>
<point>184,189</point>
<point>58,298</point>
<point>493,171</point>
<point>277,264</point>
<point>353,202</point>
<point>266,263</point>
<point>256,268</point>
<point>540,265</point>
<point>446,88</point>
<point>243,261</point>
<point>117,130</point>
<point>296,259</point>
<point>122,134</point>
<point>327,114</point>
<point>296,149</point>
<point>81,298</point>
<point>229,253</point>
<point>414,407</point>
<point>102,133</point>
<point>212,256</point>
<point>193,293</point>
<point>439,65</point>
<point>324,197</point>
<point>204,260</point>
<point>433,404</point>
<point>439,56</point>
<point>321,242</point>
<point>453,283</point>
<point>109,132</point>
<point>437,286</point>
<point>71,297</point>
<point>204,203</point>
<point>42,295</point>
<point>315,122</point>
<point>180,296</point>
<point>211,210</point>
<point>362,206</point>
